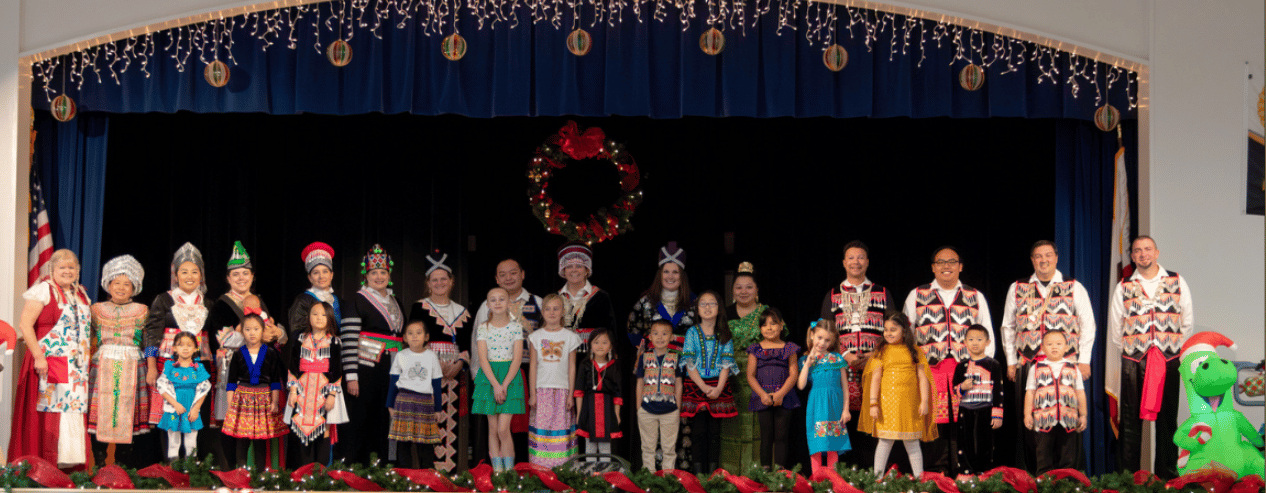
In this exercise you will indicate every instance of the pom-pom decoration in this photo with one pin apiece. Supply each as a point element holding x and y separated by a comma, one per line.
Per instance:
<point>216,73</point>
<point>835,58</point>
<point>971,77</point>
<point>579,42</point>
<point>712,41</point>
<point>453,47</point>
<point>63,108</point>
<point>1107,118</point>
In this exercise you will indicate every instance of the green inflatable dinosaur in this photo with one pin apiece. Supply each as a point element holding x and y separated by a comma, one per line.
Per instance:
<point>1211,437</point>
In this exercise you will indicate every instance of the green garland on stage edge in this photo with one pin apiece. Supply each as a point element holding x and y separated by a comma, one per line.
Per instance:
<point>200,477</point>
<point>562,149</point>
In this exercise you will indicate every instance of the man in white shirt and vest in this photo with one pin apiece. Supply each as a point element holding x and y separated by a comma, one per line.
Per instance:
<point>1044,301</point>
<point>1149,316</point>
<point>941,312</point>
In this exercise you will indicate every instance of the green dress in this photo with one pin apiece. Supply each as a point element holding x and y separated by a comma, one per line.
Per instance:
<point>740,435</point>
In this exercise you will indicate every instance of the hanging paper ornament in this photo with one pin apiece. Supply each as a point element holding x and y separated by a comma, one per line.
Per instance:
<point>216,73</point>
<point>835,57</point>
<point>971,77</point>
<point>339,53</point>
<point>1107,118</point>
<point>63,108</point>
<point>453,47</point>
<point>579,42</point>
<point>712,41</point>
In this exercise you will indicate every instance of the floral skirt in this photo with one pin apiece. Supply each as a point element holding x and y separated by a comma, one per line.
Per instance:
<point>249,414</point>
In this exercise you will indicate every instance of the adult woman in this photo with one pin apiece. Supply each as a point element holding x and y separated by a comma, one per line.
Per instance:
<point>318,259</point>
<point>223,323</point>
<point>740,436</point>
<point>669,298</point>
<point>451,337</point>
<point>585,307</point>
<point>183,308</point>
<point>55,326</point>
<point>373,325</point>
<point>116,380</point>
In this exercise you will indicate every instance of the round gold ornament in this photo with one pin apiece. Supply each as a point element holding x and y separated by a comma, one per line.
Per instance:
<point>216,73</point>
<point>835,57</point>
<point>579,42</point>
<point>712,41</point>
<point>453,47</point>
<point>1107,118</point>
<point>63,108</point>
<point>339,53</point>
<point>972,77</point>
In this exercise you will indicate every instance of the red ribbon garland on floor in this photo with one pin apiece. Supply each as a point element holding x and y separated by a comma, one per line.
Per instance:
<point>238,478</point>
<point>430,478</point>
<point>688,481</point>
<point>357,482</point>
<point>547,477</point>
<point>1017,478</point>
<point>175,479</point>
<point>113,477</point>
<point>298,474</point>
<point>1143,477</point>
<point>943,482</point>
<point>482,474</point>
<point>45,473</point>
<point>838,484</point>
<point>744,484</point>
<point>802,485</point>
<point>1068,473</point>
<point>619,480</point>
<point>1249,484</point>
<point>1219,479</point>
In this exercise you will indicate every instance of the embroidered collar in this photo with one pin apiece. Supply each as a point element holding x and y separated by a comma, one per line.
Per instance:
<point>326,295</point>
<point>256,365</point>
<point>386,306</point>
<point>179,296</point>
<point>451,323</point>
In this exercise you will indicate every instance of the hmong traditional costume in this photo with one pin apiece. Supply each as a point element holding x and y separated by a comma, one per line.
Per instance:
<point>450,337</point>
<point>822,426</point>
<point>940,326</point>
<point>1056,414</point>
<point>598,387</point>
<point>49,413</point>
<point>371,333</point>
<point>858,313</point>
<point>222,321</point>
<point>173,312</point>
<point>120,395</point>
<point>658,416</point>
<point>252,382</point>
<point>1148,319</point>
<point>976,411</point>
<point>740,437</point>
<point>589,310</point>
<point>646,312</point>
<point>709,357</point>
<point>314,373</point>
<point>416,379</point>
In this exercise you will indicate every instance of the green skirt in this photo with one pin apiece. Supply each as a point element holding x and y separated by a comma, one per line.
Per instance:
<point>740,435</point>
<point>485,403</point>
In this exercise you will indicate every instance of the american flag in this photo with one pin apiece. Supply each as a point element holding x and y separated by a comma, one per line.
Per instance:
<point>41,233</point>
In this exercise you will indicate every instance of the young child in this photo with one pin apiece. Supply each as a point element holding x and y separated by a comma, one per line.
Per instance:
<point>184,384</point>
<point>898,390</point>
<point>659,387</point>
<point>979,379</point>
<point>708,357</point>
<point>827,412</point>
<point>598,393</point>
<point>273,334</point>
<point>315,376</point>
<point>254,394</point>
<point>498,388</point>
<point>1055,405</point>
<point>551,374</point>
<point>413,399</point>
<point>772,373</point>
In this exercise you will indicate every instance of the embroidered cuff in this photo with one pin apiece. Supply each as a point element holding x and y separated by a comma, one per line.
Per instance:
<point>151,352</point>
<point>618,401</point>
<point>333,389</point>
<point>230,387</point>
<point>292,384</point>
<point>275,386</point>
<point>997,413</point>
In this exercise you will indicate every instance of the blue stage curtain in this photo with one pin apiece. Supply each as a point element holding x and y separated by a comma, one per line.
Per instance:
<point>646,68</point>
<point>72,161</point>
<point>1083,224</point>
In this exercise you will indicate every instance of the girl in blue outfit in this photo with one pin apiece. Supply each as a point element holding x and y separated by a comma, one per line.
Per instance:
<point>183,385</point>
<point>826,413</point>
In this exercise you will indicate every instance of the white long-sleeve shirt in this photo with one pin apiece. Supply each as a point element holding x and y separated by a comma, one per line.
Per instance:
<point>1081,304</point>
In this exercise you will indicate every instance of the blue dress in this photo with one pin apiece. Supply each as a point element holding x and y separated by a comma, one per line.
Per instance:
<point>826,403</point>
<point>187,384</point>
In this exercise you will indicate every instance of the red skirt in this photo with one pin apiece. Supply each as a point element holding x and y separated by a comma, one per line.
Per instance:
<point>693,400</point>
<point>249,414</point>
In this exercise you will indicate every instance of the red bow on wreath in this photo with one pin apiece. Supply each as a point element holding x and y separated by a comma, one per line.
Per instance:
<point>580,145</point>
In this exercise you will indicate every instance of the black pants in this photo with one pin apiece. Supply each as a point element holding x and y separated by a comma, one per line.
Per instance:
<point>773,436</point>
<point>1129,455</point>
<point>937,454</point>
<point>410,455</point>
<point>1024,438</point>
<point>1057,449</point>
<point>705,440</point>
<point>300,455</point>
<point>975,440</point>
<point>243,445</point>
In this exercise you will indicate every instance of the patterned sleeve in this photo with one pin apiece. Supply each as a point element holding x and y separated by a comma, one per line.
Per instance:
<point>690,349</point>
<point>204,384</point>
<point>349,335</point>
<point>754,349</point>
<point>164,382</point>
<point>999,388</point>
<point>154,323</point>
<point>726,357</point>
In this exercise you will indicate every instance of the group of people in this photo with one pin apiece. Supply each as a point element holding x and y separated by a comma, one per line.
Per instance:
<point>712,384</point>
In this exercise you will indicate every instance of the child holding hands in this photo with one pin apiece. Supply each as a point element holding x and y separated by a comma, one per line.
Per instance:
<point>498,388</point>
<point>772,373</point>
<point>184,384</point>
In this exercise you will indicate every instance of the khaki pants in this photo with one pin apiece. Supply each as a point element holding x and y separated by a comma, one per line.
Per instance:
<point>663,427</point>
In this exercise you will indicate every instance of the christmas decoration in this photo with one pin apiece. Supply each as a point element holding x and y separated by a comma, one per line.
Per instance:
<point>835,57</point>
<point>216,73</point>
<point>561,150</point>
<point>339,53</point>
<point>1107,118</point>
<point>63,108</point>
<point>453,47</point>
<point>971,77</point>
<point>712,41</point>
<point>579,42</point>
<point>1210,440</point>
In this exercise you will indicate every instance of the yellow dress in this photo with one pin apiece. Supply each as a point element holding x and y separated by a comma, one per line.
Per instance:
<point>899,397</point>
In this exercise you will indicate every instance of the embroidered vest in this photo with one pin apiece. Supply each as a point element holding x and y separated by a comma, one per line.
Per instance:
<point>1034,315</point>
<point>860,316</point>
<point>1151,320</point>
<point>1055,399</point>
<point>529,314</point>
<point>659,382</point>
<point>939,329</point>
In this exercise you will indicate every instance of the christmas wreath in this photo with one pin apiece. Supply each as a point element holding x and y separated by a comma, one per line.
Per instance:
<point>565,148</point>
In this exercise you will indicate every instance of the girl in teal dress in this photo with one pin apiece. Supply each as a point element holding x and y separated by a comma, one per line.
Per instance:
<point>183,385</point>
<point>826,413</point>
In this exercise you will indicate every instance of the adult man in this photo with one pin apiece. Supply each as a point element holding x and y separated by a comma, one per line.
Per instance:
<point>941,312</point>
<point>526,309</point>
<point>1149,316</point>
<point>1045,301</point>
<point>857,306</point>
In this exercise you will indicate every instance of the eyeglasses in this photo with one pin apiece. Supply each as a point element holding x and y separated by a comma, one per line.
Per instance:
<point>946,263</point>
<point>707,305</point>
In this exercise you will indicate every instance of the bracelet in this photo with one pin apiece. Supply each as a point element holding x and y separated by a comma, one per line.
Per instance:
<point>874,404</point>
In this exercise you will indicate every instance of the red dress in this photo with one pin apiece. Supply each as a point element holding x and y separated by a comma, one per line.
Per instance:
<point>36,432</point>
